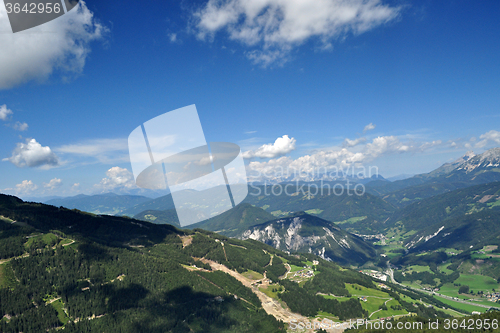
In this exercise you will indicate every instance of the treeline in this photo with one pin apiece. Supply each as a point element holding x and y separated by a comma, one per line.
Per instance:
<point>427,277</point>
<point>233,286</point>
<point>276,270</point>
<point>11,246</point>
<point>12,239</point>
<point>238,258</point>
<point>429,259</point>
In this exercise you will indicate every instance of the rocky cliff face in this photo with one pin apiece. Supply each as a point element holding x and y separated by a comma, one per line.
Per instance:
<point>488,159</point>
<point>309,234</point>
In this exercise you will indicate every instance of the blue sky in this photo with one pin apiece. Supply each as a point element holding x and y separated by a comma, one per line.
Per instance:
<point>424,74</point>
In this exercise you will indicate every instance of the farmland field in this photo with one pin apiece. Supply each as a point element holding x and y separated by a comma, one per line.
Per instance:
<point>462,306</point>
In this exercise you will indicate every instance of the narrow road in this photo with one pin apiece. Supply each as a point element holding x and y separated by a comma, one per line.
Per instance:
<point>225,255</point>
<point>385,303</point>
<point>53,300</point>
<point>3,261</point>
<point>72,241</point>
<point>288,270</point>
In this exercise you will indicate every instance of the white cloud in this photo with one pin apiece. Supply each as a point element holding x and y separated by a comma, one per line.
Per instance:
<point>117,178</point>
<point>280,147</point>
<point>305,167</point>
<point>428,145</point>
<point>26,186</point>
<point>353,143</point>
<point>346,159</point>
<point>369,127</point>
<point>18,126</point>
<point>172,37</point>
<point>4,112</point>
<point>104,150</point>
<point>274,27</point>
<point>32,154</point>
<point>62,44</point>
<point>386,145</point>
<point>53,184</point>
<point>487,138</point>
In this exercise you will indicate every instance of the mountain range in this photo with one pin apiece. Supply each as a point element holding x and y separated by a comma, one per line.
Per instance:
<point>299,232</point>
<point>468,170</point>
<point>380,201</point>
<point>326,205</point>
<point>107,204</point>
<point>420,204</point>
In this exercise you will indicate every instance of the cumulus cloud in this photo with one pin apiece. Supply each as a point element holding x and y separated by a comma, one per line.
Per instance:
<point>272,28</point>
<point>340,160</point>
<point>305,167</point>
<point>280,147</point>
<point>353,143</point>
<point>53,184</point>
<point>117,178</point>
<point>26,187</point>
<point>386,144</point>
<point>487,138</point>
<point>4,112</point>
<point>369,127</point>
<point>62,44</point>
<point>32,154</point>
<point>18,126</point>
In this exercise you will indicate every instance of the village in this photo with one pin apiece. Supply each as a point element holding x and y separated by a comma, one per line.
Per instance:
<point>493,297</point>
<point>375,274</point>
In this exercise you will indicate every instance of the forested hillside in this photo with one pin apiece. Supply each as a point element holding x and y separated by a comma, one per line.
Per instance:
<point>64,268</point>
<point>427,212</point>
<point>235,221</point>
<point>159,217</point>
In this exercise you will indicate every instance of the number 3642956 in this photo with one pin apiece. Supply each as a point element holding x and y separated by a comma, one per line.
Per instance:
<point>33,8</point>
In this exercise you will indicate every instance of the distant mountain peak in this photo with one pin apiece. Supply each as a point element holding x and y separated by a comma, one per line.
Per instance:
<point>469,162</point>
<point>461,160</point>
<point>490,158</point>
<point>301,232</point>
<point>468,155</point>
<point>491,154</point>
<point>110,194</point>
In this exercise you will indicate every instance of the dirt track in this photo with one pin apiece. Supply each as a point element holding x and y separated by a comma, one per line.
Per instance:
<point>270,305</point>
